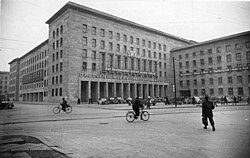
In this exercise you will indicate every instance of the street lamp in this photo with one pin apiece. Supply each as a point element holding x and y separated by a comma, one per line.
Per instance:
<point>174,86</point>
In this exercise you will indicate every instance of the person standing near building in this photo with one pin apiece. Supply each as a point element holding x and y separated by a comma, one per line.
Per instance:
<point>207,113</point>
<point>225,100</point>
<point>248,100</point>
<point>235,100</point>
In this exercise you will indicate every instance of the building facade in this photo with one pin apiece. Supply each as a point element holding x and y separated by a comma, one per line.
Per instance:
<point>4,85</point>
<point>219,67</point>
<point>13,93</point>
<point>93,55</point>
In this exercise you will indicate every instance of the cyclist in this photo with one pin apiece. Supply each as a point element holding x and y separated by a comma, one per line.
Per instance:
<point>64,104</point>
<point>136,107</point>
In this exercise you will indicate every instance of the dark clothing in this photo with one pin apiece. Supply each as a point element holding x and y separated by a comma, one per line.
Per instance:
<point>64,105</point>
<point>193,100</point>
<point>207,112</point>
<point>136,106</point>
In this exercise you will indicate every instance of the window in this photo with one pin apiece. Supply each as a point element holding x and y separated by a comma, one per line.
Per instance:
<point>93,43</point>
<point>84,65</point>
<point>218,59</point>
<point>187,64</point>
<point>248,44</point>
<point>211,81</point>
<point>248,78</point>
<point>118,49</point>
<point>195,82</point>
<point>239,79</point>
<point>102,33</point>
<point>201,52</point>
<point>149,54</point>
<point>195,92</point>
<point>93,66</point>
<point>180,65</point>
<point>61,66</point>
<point>118,62</point>
<point>229,80</point>
<point>84,28</point>
<point>137,51</point>
<point>118,36</point>
<point>61,29</point>
<point>186,55</point>
<point>164,47</point>
<point>54,33</point>
<point>165,57</point>
<point>218,49</point>
<point>159,55</point>
<point>52,92</point>
<point>248,55</point>
<point>84,53</point>
<point>61,54</point>
<point>238,56</point>
<point>238,46</point>
<point>210,51</point>
<point>202,62</point>
<point>93,30</point>
<point>228,48</point>
<point>56,79</point>
<point>159,45</point>
<point>210,60</point>
<point>131,40</point>
<point>220,81</point>
<point>84,41</point>
<point>180,57</point>
<point>102,44</point>
<point>211,91</point>
<point>240,91</point>
<point>230,91</point>
<point>110,46</point>
<point>181,83</point>
<point>93,54</point>
<point>60,92</point>
<point>202,81</point>
<point>149,44</point>
<point>143,43</point>
<point>228,58</point>
<point>194,54</point>
<point>203,91</point>
<point>53,80</point>
<point>124,38</point>
<point>110,35</point>
<point>60,79</point>
<point>124,49</point>
<point>53,68</point>
<point>53,57</point>
<point>220,91</point>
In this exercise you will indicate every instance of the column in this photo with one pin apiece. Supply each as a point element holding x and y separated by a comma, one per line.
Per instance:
<point>136,95</point>
<point>89,90</point>
<point>129,90</point>
<point>98,90</point>
<point>122,90</point>
<point>115,90</point>
<point>106,89</point>
<point>153,90</point>
<point>141,93</point>
<point>147,90</point>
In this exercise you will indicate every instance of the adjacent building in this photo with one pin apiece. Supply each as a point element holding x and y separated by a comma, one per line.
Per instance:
<point>218,67</point>
<point>4,85</point>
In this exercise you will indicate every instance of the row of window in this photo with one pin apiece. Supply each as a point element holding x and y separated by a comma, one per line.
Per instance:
<point>57,79</point>
<point>56,31</point>
<point>125,38</point>
<point>125,49</point>
<point>57,55</point>
<point>32,86</point>
<point>34,59</point>
<point>57,67</point>
<point>56,92</point>
<point>238,57</point>
<point>239,80</point>
<point>34,67</point>
<point>231,91</point>
<point>238,46</point>
<point>56,44</point>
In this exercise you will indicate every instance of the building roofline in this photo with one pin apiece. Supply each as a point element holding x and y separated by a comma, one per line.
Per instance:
<point>211,41</point>
<point>13,60</point>
<point>36,48</point>
<point>81,8</point>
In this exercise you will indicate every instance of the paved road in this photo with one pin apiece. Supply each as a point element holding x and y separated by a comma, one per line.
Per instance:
<point>102,131</point>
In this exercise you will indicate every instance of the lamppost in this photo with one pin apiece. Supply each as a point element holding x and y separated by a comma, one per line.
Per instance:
<point>174,86</point>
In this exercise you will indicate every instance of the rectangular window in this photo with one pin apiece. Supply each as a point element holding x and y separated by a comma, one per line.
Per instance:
<point>186,55</point>
<point>159,45</point>
<point>159,55</point>
<point>203,82</point>
<point>195,82</point>
<point>60,92</point>
<point>202,62</point>
<point>228,48</point>
<point>110,35</point>
<point>84,28</point>
<point>187,64</point>
<point>93,43</point>
<point>137,41</point>
<point>211,91</point>
<point>220,91</point>
<point>165,57</point>
<point>211,81</point>
<point>248,44</point>
<point>238,46</point>
<point>164,47</point>
<point>61,66</point>
<point>194,54</point>
<point>248,55</point>
<point>188,83</point>
<point>239,79</point>
<point>84,41</point>
<point>93,30</point>
<point>218,49</point>
<point>124,38</point>
<point>93,66</point>
<point>238,56</point>
<point>118,62</point>
<point>229,58</point>
<point>230,91</point>
<point>203,91</point>
<point>201,53</point>
<point>118,36</point>
<point>84,53</point>
<point>56,79</point>
<point>240,91</point>
<point>93,56</point>
<point>210,51</point>
<point>110,46</point>
<point>195,92</point>
<point>230,80</point>
<point>61,54</point>
<point>61,41</point>
<point>218,59</point>
<point>52,92</point>
<point>102,44</point>
<point>181,83</point>
<point>60,79</point>
<point>180,57</point>
<point>180,65</point>
<point>210,60</point>
<point>131,39</point>
<point>118,49</point>
<point>149,44</point>
<point>102,33</point>
<point>125,49</point>
<point>84,65</point>
<point>220,81</point>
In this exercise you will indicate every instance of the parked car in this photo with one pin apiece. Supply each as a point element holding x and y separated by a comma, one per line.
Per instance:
<point>6,105</point>
<point>120,100</point>
<point>103,101</point>
<point>113,100</point>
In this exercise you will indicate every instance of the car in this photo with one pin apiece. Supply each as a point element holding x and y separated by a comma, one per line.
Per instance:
<point>120,100</point>
<point>153,101</point>
<point>103,101</point>
<point>6,105</point>
<point>113,100</point>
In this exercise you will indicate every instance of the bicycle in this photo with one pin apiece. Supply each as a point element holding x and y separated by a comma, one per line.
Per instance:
<point>58,108</point>
<point>131,116</point>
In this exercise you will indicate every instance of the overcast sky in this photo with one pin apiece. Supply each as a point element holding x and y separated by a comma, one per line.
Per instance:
<point>22,22</point>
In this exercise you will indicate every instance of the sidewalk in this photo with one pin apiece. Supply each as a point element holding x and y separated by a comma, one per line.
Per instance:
<point>20,146</point>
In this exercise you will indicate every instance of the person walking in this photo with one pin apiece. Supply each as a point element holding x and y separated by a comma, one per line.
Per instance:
<point>225,100</point>
<point>235,100</point>
<point>207,113</point>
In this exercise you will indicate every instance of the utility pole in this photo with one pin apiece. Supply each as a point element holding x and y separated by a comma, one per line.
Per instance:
<point>174,83</point>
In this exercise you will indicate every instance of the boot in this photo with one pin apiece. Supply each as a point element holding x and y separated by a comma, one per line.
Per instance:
<point>205,127</point>
<point>213,128</point>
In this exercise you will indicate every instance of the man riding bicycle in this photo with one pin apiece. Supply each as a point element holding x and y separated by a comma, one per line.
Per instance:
<point>64,104</point>
<point>136,107</point>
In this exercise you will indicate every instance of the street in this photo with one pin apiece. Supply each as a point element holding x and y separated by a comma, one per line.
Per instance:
<point>102,131</point>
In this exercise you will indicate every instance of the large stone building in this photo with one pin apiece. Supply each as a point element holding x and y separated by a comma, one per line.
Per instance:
<point>4,85</point>
<point>91,54</point>
<point>218,67</point>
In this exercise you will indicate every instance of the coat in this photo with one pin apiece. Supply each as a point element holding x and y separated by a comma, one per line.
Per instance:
<point>207,109</point>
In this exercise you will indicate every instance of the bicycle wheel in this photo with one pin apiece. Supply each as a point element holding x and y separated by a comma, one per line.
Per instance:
<point>144,115</point>
<point>68,109</point>
<point>130,116</point>
<point>56,110</point>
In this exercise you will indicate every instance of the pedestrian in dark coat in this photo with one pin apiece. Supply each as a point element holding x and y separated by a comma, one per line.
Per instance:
<point>207,113</point>
<point>225,100</point>
<point>235,101</point>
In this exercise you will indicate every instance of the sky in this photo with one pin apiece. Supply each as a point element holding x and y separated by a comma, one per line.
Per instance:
<point>23,27</point>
